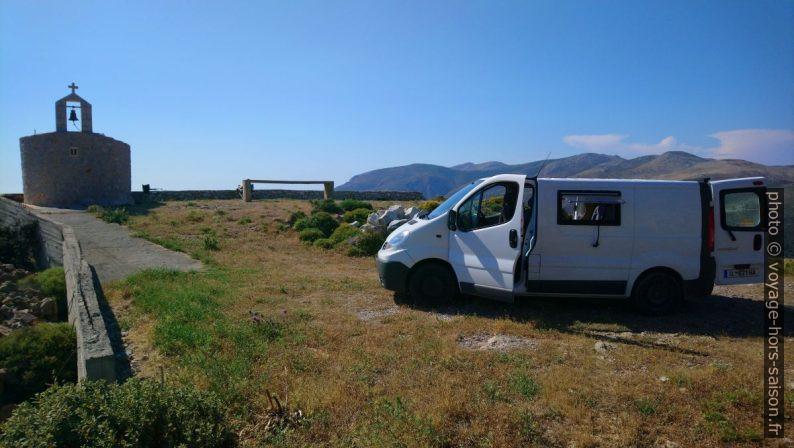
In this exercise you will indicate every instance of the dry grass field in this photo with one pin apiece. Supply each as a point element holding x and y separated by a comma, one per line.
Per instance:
<point>314,328</point>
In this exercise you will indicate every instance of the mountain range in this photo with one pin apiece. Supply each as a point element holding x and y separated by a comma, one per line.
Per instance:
<point>435,180</point>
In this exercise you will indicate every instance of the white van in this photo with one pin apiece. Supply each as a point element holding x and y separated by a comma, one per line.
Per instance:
<point>512,235</point>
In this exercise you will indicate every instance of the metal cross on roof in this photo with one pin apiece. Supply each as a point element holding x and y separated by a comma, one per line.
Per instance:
<point>73,87</point>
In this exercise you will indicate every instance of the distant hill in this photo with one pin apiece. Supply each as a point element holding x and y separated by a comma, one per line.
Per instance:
<point>434,180</point>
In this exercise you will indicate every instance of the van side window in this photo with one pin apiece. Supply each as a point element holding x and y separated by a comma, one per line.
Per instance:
<point>589,208</point>
<point>741,209</point>
<point>491,206</point>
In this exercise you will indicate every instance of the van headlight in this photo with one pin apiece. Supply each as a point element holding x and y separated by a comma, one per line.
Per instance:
<point>395,240</point>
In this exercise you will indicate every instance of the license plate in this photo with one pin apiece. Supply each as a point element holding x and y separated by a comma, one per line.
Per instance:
<point>741,273</point>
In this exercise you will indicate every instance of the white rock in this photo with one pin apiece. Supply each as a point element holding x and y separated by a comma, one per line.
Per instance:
<point>411,212</point>
<point>355,224</point>
<point>392,213</point>
<point>372,219</point>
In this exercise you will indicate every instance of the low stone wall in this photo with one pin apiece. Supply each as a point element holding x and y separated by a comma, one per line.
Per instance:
<point>95,358</point>
<point>49,251</point>
<point>189,195</point>
<point>59,247</point>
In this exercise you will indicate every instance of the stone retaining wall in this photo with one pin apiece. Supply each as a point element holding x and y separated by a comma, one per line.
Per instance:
<point>59,247</point>
<point>49,251</point>
<point>187,195</point>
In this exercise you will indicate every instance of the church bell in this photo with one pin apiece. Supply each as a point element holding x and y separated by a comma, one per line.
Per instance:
<point>73,116</point>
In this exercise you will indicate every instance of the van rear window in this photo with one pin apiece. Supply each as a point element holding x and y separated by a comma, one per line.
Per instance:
<point>589,208</point>
<point>741,210</point>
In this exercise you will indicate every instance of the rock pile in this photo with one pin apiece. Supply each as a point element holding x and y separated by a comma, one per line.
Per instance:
<point>22,307</point>
<point>386,221</point>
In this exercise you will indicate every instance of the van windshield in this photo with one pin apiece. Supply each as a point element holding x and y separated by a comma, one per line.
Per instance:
<point>454,199</point>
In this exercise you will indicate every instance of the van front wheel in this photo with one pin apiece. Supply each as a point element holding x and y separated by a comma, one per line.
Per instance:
<point>658,293</point>
<point>432,285</point>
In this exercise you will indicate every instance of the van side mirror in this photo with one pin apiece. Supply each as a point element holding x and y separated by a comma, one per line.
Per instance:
<point>452,220</point>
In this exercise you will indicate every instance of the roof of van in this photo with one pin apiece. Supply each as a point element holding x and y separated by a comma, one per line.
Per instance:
<point>647,181</point>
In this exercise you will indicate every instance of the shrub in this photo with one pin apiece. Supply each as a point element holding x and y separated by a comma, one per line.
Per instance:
<point>326,205</point>
<point>323,243</point>
<point>138,413</point>
<point>429,206</point>
<point>295,216</point>
<point>17,245</point>
<point>195,216</point>
<point>51,282</point>
<point>111,215</point>
<point>343,233</point>
<point>211,241</point>
<point>300,224</point>
<point>353,204</point>
<point>244,220</point>
<point>359,214</point>
<point>325,222</point>
<point>36,357</point>
<point>310,235</point>
<point>367,245</point>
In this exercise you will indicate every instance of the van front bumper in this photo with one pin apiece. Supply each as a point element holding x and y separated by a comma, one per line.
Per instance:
<point>393,275</point>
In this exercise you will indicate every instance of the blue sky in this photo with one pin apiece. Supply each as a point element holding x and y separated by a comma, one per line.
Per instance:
<point>208,93</point>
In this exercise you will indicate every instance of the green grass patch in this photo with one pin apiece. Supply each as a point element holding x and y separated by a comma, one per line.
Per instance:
<point>645,406</point>
<point>216,349</point>
<point>52,283</point>
<point>524,385</point>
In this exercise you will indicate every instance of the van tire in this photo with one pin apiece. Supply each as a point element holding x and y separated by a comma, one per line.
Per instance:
<point>658,293</point>
<point>432,285</point>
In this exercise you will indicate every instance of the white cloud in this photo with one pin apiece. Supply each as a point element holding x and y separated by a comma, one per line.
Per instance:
<point>595,142</point>
<point>617,144</point>
<point>767,146</point>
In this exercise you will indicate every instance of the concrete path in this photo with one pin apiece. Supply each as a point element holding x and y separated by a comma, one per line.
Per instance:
<point>110,248</point>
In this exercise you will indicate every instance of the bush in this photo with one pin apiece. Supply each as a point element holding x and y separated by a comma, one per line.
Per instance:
<point>367,245</point>
<point>17,245</point>
<point>111,215</point>
<point>51,282</point>
<point>295,216</point>
<point>195,216</point>
<point>343,233</point>
<point>301,223</point>
<point>323,243</point>
<point>138,413</point>
<point>353,204</point>
<point>429,206</point>
<point>326,205</point>
<point>310,235</point>
<point>359,214</point>
<point>36,357</point>
<point>211,241</point>
<point>325,222</point>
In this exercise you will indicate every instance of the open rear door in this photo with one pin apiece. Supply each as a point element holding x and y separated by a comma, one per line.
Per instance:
<point>739,230</point>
